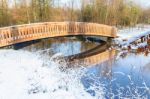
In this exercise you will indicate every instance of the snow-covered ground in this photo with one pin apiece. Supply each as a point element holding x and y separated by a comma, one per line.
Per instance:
<point>129,35</point>
<point>26,75</point>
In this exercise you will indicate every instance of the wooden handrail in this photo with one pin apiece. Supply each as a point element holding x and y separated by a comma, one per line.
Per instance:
<point>27,32</point>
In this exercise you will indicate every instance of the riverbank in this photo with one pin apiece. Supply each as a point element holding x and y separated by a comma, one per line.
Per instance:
<point>131,37</point>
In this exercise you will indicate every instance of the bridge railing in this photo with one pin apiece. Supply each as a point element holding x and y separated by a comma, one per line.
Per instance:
<point>22,33</point>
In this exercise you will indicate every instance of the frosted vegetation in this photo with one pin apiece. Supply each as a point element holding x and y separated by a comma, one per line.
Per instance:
<point>128,35</point>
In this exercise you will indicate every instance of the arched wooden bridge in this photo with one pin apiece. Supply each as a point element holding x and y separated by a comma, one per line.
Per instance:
<point>22,33</point>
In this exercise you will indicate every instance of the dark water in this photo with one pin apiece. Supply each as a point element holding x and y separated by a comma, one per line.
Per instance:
<point>66,46</point>
<point>123,75</point>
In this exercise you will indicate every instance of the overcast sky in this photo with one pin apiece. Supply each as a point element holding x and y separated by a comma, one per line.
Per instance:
<point>143,3</point>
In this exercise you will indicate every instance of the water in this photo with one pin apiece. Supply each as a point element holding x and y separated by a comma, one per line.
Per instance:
<point>32,72</point>
<point>127,77</point>
<point>58,45</point>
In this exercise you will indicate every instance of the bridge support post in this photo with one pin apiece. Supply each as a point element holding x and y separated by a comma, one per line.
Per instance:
<point>109,41</point>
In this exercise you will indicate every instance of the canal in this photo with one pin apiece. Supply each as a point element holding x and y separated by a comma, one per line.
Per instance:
<point>73,68</point>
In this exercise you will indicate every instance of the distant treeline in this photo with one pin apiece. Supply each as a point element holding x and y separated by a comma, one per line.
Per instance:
<point>111,12</point>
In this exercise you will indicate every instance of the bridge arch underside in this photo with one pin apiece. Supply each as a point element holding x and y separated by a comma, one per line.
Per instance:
<point>24,33</point>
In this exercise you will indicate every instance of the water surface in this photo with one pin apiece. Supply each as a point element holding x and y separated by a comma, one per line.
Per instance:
<point>108,74</point>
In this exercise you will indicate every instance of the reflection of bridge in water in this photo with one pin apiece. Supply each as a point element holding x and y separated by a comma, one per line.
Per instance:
<point>23,33</point>
<point>95,56</point>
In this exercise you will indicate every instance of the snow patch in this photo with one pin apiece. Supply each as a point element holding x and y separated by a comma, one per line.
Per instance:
<point>23,75</point>
<point>128,35</point>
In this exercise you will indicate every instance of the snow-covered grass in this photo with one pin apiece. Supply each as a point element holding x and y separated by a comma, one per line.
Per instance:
<point>140,45</point>
<point>128,35</point>
<point>24,75</point>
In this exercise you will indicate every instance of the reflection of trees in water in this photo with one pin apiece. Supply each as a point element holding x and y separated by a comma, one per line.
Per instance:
<point>60,44</point>
<point>146,68</point>
<point>145,50</point>
<point>87,46</point>
<point>42,45</point>
<point>141,50</point>
<point>105,69</point>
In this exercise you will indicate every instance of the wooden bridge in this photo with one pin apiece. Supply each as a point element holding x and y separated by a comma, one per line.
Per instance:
<point>22,33</point>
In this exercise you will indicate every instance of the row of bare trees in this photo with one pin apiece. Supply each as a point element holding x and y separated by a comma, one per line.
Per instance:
<point>112,12</point>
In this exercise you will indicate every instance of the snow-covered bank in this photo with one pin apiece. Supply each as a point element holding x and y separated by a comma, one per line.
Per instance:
<point>24,75</point>
<point>128,35</point>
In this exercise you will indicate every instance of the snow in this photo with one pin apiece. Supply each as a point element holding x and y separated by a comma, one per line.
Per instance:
<point>139,45</point>
<point>128,35</point>
<point>25,75</point>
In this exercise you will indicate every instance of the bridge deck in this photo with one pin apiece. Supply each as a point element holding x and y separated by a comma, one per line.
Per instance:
<point>22,33</point>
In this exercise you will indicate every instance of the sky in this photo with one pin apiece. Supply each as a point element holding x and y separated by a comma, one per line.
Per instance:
<point>68,2</point>
<point>143,3</point>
